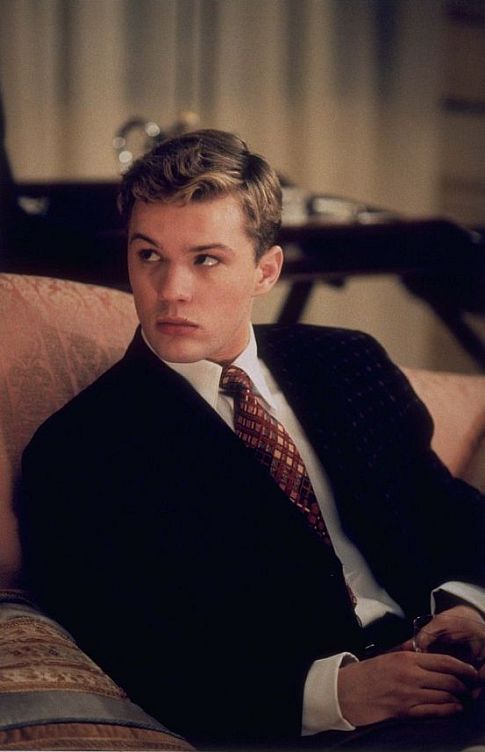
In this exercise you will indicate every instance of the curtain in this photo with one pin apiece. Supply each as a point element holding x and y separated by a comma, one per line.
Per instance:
<point>341,95</point>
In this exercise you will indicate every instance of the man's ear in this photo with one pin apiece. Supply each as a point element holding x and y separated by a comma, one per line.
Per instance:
<point>268,269</point>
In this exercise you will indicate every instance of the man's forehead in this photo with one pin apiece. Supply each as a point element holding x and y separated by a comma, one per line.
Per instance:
<point>222,213</point>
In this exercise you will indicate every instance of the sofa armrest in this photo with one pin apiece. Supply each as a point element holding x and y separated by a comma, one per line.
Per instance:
<point>53,696</point>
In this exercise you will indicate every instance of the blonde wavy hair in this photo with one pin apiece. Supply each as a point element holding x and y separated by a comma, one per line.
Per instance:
<point>202,165</point>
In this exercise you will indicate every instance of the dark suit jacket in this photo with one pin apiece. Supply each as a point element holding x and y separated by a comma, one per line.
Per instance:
<point>154,536</point>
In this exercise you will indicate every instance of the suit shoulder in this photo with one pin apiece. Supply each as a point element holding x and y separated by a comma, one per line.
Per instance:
<point>318,340</point>
<point>98,404</point>
<point>311,331</point>
<point>350,364</point>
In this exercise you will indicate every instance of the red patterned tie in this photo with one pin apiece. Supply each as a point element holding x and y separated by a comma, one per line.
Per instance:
<point>274,448</point>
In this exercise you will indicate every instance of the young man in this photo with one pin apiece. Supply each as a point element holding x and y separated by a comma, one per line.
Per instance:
<point>188,515</point>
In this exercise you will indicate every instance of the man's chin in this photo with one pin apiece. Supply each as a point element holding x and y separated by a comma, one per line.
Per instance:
<point>180,353</point>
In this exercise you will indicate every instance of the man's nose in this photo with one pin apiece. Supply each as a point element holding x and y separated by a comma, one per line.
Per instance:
<point>174,283</point>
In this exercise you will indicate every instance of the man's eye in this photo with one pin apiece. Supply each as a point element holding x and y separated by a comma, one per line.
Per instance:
<point>146,254</point>
<point>205,260</point>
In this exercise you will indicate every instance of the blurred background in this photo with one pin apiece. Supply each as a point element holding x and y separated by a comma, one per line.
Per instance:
<point>377,101</point>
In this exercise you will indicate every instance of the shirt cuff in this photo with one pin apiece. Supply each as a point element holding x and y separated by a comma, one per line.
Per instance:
<point>321,709</point>
<point>457,593</point>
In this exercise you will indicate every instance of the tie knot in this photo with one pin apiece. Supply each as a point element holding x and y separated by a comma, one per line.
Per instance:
<point>235,381</point>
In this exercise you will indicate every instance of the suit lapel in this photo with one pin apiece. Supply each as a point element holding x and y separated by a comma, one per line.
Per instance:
<point>304,371</point>
<point>311,369</point>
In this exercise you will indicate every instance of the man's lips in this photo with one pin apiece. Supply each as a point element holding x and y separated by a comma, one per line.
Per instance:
<point>176,325</point>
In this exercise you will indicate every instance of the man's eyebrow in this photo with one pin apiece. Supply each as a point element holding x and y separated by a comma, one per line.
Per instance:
<point>210,247</point>
<point>141,236</point>
<point>203,248</point>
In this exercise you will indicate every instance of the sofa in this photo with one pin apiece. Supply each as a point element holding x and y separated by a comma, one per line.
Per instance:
<point>56,337</point>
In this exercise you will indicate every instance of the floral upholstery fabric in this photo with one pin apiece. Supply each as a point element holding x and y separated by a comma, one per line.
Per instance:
<point>56,337</point>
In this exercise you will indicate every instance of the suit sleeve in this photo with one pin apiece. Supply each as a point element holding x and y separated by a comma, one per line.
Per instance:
<point>417,525</point>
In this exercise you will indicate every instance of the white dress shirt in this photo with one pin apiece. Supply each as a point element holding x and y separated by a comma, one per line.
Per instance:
<point>321,710</point>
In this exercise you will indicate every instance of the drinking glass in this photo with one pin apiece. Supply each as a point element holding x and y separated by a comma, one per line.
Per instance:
<point>461,637</point>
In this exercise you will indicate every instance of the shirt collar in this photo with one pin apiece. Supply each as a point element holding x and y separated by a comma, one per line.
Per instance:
<point>249,362</point>
<point>204,375</point>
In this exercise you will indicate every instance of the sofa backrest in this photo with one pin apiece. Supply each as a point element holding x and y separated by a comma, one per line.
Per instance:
<point>457,405</point>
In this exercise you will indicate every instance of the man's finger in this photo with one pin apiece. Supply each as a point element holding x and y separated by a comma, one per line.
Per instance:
<point>445,683</point>
<point>438,710</point>
<point>447,664</point>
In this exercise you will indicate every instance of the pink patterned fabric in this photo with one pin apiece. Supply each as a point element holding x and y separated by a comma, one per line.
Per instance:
<point>56,337</point>
<point>456,402</point>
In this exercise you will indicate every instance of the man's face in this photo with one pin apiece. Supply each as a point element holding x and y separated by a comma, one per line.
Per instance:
<point>194,277</point>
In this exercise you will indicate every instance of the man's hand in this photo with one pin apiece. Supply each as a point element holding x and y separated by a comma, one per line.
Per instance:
<point>458,624</point>
<point>403,685</point>
<point>461,622</point>
<point>463,612</point>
